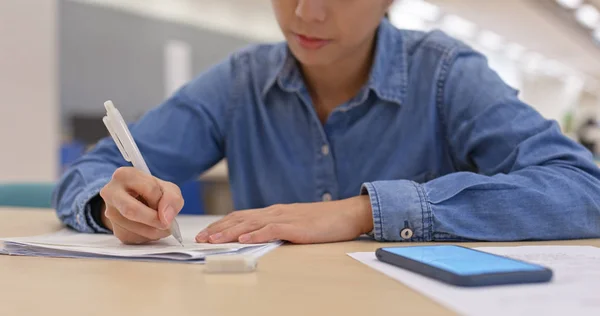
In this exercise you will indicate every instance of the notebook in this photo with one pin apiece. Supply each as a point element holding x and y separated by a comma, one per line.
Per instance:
<point>67,243</point>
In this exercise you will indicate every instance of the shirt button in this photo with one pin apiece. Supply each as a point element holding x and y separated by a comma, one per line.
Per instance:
<point>326,197</point>
<point>406,233</point>
<point>325,150</point>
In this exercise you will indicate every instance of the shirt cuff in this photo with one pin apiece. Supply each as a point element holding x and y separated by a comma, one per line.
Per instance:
<point>84,216</point>
<point>96,205</point>
<point>401,211</point>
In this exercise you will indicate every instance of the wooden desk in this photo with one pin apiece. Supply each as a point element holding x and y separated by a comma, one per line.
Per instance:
<point>292,280</point>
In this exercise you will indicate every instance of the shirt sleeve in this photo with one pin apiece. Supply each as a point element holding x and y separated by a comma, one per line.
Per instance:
<point>179,140</point>
<point>519,177</point>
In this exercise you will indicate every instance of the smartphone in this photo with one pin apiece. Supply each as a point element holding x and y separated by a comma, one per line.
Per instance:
<point>463,266</point>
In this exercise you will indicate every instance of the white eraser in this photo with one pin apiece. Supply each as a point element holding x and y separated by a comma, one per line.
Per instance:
<point>229,264</point>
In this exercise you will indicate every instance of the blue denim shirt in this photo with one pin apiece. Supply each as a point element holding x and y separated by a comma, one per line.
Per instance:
<point>442,146</point>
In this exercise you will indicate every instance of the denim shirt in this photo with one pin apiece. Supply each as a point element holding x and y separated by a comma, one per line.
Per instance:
<point>442,146</point>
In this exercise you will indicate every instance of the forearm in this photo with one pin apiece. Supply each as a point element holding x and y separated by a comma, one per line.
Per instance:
<point>81,183</point>
<point>71,201</point>
<point>536,203</point>
<point>360,209</point>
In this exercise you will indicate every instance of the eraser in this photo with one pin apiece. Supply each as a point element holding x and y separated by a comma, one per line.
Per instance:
<point>229,264</point>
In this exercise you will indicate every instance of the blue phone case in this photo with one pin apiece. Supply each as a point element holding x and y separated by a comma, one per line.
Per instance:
<point>471,280</point>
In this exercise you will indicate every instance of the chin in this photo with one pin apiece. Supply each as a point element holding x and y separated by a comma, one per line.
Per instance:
<point>312,57</point>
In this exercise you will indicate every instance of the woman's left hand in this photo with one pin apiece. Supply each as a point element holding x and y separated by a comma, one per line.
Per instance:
<point>303,223</point>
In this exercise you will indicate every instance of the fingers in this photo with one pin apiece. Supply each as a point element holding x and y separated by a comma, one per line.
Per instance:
<point>231,220</point>
<point>233,232</point>
<point>272,232</point>
<point>253,226</point>
<point>237,217</point>
<point>119,201</point>
<point>127,237</point>
<point>139,184</point>
<point>228,221</point>
<point>149,233</point>
<point>140,207</point>
<point>162,200</point>
<point>170,203</point>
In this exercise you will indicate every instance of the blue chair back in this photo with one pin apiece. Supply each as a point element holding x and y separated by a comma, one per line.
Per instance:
<point>31,195</point>
<point>191,192</point>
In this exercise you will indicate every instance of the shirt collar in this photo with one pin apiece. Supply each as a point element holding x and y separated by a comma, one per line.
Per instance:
<point>388,77</point>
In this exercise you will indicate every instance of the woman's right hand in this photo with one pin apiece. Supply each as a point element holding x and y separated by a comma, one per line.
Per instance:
<point>138,207</point>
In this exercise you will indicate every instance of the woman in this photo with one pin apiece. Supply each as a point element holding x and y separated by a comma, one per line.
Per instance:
<point>351,127</point>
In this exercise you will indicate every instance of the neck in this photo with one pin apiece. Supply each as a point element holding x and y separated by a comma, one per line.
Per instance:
<point>334,84</point>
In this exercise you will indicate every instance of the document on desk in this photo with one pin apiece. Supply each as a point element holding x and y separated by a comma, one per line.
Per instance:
<point>71,244</point>
<point>574,290</point>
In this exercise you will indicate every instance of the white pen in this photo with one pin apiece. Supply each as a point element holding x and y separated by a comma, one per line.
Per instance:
<point>120,133</point>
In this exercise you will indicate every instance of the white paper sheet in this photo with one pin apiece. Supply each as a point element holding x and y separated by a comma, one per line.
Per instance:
<point>574,290</point>
<point>68,243</point>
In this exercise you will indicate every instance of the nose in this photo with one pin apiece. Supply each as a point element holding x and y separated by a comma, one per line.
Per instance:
<point>311,10</point>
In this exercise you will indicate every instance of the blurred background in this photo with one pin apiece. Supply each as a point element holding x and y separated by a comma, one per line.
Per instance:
<point>61,59</point>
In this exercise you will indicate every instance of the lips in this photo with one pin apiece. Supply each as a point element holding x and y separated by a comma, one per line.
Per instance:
<point>312,43</point>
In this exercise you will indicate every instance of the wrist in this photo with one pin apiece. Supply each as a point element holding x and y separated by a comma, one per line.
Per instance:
<point>364,214</point>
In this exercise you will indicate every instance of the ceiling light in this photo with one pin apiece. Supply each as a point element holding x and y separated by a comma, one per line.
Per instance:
<point>403,20</point>
<point>574,83</point>
<point>459,27</point>
<point>553,68</point>
<point>533,62</point>
<point>514,51</point>
<point>591,85</point>
<point>588,15</point>
<point>570,4</point>
<point>420,8</point>
<point>490,40</point>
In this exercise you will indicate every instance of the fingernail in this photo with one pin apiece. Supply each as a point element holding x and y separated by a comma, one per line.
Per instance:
<point>244,238</point>
<point>202,237</point>
<point>169,214</point>
<point>216,237</point>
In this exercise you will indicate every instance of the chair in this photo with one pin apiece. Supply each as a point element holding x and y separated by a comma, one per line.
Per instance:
<point>30,195</point>
<point>39,195</point>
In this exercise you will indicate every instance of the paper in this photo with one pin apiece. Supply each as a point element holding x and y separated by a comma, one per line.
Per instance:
<point>574,290</point>
<point>68,243</point>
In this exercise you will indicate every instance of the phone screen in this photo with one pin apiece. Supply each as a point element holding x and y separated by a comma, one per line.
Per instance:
<point>462,261</point>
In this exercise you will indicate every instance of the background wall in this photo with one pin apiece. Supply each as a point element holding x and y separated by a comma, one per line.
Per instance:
<point>111,54</point>
<point>28,87</point>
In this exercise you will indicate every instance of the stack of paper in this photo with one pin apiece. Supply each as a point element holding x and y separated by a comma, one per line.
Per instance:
<point>70,244</point>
